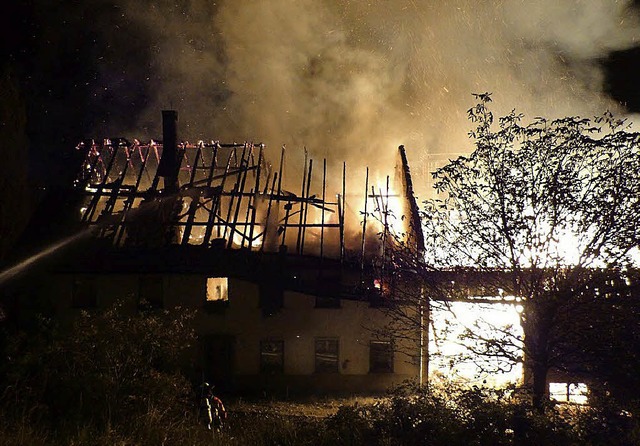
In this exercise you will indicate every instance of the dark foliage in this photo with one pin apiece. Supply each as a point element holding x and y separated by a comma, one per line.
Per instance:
<point>108,370</point>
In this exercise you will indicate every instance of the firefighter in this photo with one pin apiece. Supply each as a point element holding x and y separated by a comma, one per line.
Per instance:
<point>212,409</point>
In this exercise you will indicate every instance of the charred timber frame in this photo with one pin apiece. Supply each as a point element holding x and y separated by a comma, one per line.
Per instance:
<point>229,196</point>
<point>211,192</point>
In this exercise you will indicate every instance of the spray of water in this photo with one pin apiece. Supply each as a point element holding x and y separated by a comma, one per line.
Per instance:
<point>27,263</point>
<point>24,265</point>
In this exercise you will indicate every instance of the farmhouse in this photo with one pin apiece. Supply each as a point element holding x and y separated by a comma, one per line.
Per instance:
<point>286,282</point>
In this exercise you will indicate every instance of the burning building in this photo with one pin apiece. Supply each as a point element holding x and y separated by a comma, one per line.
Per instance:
<point>287,284</point>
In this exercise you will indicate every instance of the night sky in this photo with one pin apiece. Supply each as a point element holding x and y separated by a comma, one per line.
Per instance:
<point>85,68</point>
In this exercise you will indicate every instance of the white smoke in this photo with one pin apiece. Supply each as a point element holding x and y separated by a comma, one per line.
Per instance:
<point>351,80</point>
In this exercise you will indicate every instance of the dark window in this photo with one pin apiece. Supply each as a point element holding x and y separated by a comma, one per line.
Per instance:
<point>271,298</point>
<point>84,293</point>
<point>150,291</point>
<point>327,355</point>
<point>272,357</point>
<point>379,300</point>
<point>327,302</point>
<point>380,357</point>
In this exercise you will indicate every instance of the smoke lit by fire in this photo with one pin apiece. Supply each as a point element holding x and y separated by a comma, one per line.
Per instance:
<point>351,80</point>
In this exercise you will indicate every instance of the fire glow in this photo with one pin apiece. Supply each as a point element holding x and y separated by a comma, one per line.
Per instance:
<point>232,194</point>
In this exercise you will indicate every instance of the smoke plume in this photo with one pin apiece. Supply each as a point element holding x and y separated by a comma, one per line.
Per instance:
<point>351,80</point>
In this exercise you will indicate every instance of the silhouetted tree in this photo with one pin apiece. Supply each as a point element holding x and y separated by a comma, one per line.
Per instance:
<point>554,206</point>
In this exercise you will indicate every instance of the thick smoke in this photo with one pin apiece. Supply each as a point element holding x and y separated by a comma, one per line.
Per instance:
<point>351,80</point>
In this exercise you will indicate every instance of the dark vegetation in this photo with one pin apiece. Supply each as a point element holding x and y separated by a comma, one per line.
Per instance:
<point>112,377</point>
<point>547,212</point>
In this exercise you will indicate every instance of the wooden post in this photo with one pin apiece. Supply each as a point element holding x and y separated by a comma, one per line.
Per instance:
<point>364,224</point>
<point>341,210</point>
<point>306,205</point>
<point>324,190</point>
<point>302,196</point>
<point>244,170</point>
<point>254,203</point>
<point>232,195</point>
<point>266,223</point>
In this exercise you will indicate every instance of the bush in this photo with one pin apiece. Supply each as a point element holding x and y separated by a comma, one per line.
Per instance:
<point>450,415</point>
<point>109,370</point>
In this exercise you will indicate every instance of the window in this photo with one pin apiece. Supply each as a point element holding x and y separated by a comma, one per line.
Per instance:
<point>327,355</point>
<point>380,357</point>
<point>83,294</point>
<point>568,392</point>
<point>217,289</point>
<point>271,297</point>
<point>217,295</point>
<point>272,357</point>
<point>150,291</point>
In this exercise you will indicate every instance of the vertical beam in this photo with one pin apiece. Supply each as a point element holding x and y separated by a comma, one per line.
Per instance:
<point>414,222</point>
<point>302,200</point>
<point>241,180</point>
<point>324,190</point>
<point>195,200</point>
<point>306,205</point>
<point>265,233</point>
<point>169,164</point>
<point>280,172</point>
<point>246,222</point>
<point>364,224</point>
<point>424,311</point>
<point>341,210</point>
<point>279,193</point>
<point>254,203</point>
<point>287,207</point>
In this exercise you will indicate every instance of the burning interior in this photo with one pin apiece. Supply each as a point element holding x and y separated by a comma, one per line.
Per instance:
<point>229,195</point>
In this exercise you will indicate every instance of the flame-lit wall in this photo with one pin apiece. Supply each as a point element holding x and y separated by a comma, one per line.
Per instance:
<point>242,326</point>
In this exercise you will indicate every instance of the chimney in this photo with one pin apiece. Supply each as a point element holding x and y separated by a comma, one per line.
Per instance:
<point>169,165</point>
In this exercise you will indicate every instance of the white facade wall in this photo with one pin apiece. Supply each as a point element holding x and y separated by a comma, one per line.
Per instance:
<point>298,324</point>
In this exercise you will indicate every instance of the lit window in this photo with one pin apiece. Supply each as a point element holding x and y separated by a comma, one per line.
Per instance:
<point>217,289</point>
<point>380,357</point>
<point>272,357</point>
<point>568,392</point>
<point>327,355</point>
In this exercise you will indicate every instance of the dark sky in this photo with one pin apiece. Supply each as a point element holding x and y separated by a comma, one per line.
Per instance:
<point>81,66</point>
<point>623,78</point>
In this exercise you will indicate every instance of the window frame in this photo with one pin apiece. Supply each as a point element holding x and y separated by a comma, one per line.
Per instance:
<point>381,360</point>
<point>265,367</point>
<point>324,355</point>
